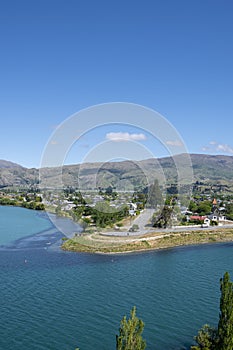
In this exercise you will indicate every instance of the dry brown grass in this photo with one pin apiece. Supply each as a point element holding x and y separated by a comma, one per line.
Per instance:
<point>97,243</point>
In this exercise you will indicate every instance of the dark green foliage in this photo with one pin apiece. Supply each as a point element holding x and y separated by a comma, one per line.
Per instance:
<point>225,325</point>
<point>103,215</point>
<point>193,206</point>
<point>130,333</point>
<point>201,207</point>
<point>221,338</point>
<point>170,200</point>
<point>205,339</point>
<point>8,201</point>
<point>165,218</point>
<point>140,198</point>
<point>33,205</point>
<point>36,205</point>
<point>204,208</point>
<point>79,199</point>
<point>229,211</point>
<point>196,222</point>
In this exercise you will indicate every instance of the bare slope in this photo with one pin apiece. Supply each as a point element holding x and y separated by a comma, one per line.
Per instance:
<point>216,169</point>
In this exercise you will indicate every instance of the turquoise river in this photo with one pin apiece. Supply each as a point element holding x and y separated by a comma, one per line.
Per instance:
<point>55,300</point>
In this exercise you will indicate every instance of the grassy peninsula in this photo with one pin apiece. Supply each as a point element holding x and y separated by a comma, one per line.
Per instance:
<point>101,243</point>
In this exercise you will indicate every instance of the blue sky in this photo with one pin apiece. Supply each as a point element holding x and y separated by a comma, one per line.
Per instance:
<point>58,57</point>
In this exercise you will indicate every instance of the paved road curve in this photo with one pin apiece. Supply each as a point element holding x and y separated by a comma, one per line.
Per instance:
<point>147,230</point>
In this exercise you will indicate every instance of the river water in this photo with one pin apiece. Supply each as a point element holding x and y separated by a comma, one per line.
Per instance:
<point>57,300</point>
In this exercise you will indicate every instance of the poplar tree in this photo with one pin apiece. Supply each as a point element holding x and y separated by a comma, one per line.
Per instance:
<point>154,195</point>
<point>221,338</point>
<point>130,333</point>
<point>225,324</point>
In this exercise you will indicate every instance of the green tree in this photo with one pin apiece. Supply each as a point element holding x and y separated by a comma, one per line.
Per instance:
<point>165,218</point>
<point>154,195</point>
<point>193,206</point>
<point>140,199</point>
<point>40,206</point>
<point>85,223</point>
<point>104,215</point>
<point>204,208</point>
<point>229,211</point>
<point>225,325</point>
<point>206,338</point>
<point>77,212</point>
<point>221,338</point>
<point>130,333</point>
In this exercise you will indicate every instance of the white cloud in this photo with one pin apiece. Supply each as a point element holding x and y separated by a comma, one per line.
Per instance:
<point>224,148</point>
<point>218,147</point>
<point>176,143</point>
<point>205,149</point>
<point>125,136</point>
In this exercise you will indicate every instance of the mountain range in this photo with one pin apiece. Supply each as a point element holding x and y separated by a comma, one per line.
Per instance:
<point>208,169</point>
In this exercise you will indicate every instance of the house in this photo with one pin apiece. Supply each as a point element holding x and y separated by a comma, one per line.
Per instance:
<point>68,205</point>
<point>206,222</point>
<point>132,208</point>
<point>217,217</point>
<point>197,217</point>
<point>213,216</point>
<point>217,213</point>
<point>132,212</point>
<point>186,212</point>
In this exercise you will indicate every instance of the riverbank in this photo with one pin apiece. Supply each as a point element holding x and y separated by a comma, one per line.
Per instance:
<point>97,243</point>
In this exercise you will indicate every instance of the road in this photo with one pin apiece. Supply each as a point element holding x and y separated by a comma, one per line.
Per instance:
<point>143,220</point>
<point>165,231</point>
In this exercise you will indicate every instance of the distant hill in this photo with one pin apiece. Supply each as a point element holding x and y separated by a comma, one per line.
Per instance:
<point>7,164</point>
<point>212,167</point>
<point>13,174</point>
<point>208,169</point>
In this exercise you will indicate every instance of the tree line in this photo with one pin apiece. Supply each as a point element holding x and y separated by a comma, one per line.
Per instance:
<point>35,204</point>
